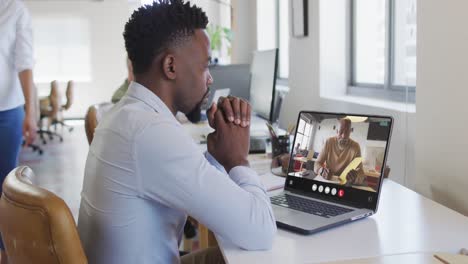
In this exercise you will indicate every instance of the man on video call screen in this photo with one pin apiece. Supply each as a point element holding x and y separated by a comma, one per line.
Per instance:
<point>339,150</point>
<point>337,153</point>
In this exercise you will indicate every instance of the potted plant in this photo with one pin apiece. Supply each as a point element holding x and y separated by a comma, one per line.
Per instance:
<point>217,34</point>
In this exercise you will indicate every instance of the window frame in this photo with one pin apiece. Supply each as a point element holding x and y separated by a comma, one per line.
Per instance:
<point>303,135</point>
<point>387,90</point>
<point>280,80</point>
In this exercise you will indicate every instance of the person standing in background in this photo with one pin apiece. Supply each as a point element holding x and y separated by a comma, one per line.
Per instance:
<point>17,92</point>
<point>298,148</point>
<point>122,90</point>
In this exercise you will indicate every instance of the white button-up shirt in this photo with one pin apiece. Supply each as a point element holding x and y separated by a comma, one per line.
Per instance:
<point>16,52</point>
<point>144,175</point>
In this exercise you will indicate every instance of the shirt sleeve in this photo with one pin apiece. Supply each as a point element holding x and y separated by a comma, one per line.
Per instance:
<point>214,162</point>
<point>176,173</point>
<point>24,42</point>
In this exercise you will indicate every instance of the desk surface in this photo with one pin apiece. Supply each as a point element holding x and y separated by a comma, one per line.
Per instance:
<point>258,128</point>
<point>406,222</point>
<point>413,258</point>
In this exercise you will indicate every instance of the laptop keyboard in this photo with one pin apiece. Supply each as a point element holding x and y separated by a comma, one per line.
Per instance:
<point>309,206</point>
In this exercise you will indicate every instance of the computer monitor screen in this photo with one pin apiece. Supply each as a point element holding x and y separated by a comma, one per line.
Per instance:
<point>263,82</point>
<point>236,77</point>
<point>335,151</point>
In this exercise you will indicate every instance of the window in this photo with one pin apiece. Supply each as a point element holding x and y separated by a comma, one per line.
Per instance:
<point>273,31</point>
<point>383,49</point>
<point>303,134</point>
<point>62,49</point>
<point>219,17</point>
<point>283,24</point>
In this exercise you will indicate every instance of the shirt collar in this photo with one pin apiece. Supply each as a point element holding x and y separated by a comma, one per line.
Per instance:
<point>143,94</point>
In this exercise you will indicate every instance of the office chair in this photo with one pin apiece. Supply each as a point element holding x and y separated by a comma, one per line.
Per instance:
<point>69,96</point>
<point>92,117</point>
<point>38,227</point>
<point>49,108</point>
<point>58,120</point>
<point>33,146</point>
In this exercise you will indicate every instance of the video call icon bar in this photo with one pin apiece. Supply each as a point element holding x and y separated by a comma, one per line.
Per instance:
<point>327,190</point>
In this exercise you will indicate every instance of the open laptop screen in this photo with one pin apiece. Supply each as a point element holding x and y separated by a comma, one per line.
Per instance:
<point>340,156</point>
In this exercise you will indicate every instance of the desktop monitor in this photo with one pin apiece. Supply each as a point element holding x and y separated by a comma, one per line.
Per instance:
<point>262,83</point>
<point>236,77</point>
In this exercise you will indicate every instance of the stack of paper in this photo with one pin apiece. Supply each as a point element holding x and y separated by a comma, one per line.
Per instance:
<point>351,166</point>
<point>272,182</point>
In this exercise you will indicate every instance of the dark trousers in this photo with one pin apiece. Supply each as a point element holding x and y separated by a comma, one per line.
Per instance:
<point>11,135</point>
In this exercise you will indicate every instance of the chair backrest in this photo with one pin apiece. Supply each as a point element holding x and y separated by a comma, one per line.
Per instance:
<point>54,101</point>
<point>36,225</point>
<point>37,105</point>
<point>69,95</point>
<point>92,118</point>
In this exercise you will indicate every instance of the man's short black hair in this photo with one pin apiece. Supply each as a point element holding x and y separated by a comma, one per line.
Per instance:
<point>153,28</point>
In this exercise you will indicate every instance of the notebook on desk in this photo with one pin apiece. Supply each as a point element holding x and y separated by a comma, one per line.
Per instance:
<point>332,189</point>
<point>272,182</point>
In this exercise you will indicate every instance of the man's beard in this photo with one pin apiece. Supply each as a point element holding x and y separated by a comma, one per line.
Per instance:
<point>194,116</point>
<point>343,143</point>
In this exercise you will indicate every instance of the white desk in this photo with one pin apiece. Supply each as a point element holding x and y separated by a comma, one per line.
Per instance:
<point>406,222</point>
<point>258,128</point>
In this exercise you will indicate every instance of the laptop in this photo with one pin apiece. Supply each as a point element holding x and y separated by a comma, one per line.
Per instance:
<point>333,179</point>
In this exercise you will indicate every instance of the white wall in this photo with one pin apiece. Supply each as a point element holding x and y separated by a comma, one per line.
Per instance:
<point>318,73</point>
<point>433,163</point>
<point>107,19</point>
<point>244,27</point>
<point>441,148</point>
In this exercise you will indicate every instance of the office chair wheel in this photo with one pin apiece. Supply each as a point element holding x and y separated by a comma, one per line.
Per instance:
<point>44,141</point>
<point>70,129</point>
<point>40,152</point>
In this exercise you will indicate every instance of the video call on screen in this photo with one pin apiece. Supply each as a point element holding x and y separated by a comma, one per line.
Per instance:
<point>342,150</point>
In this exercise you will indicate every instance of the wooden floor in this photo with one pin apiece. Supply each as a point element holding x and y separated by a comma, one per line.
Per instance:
<point>60,168</point>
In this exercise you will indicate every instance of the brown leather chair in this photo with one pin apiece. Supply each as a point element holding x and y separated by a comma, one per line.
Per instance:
<point>36,225</point>
<point>92,118</point>
<point>69,95</point>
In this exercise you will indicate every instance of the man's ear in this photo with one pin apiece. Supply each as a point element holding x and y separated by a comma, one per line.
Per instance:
<point>169,67</point>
